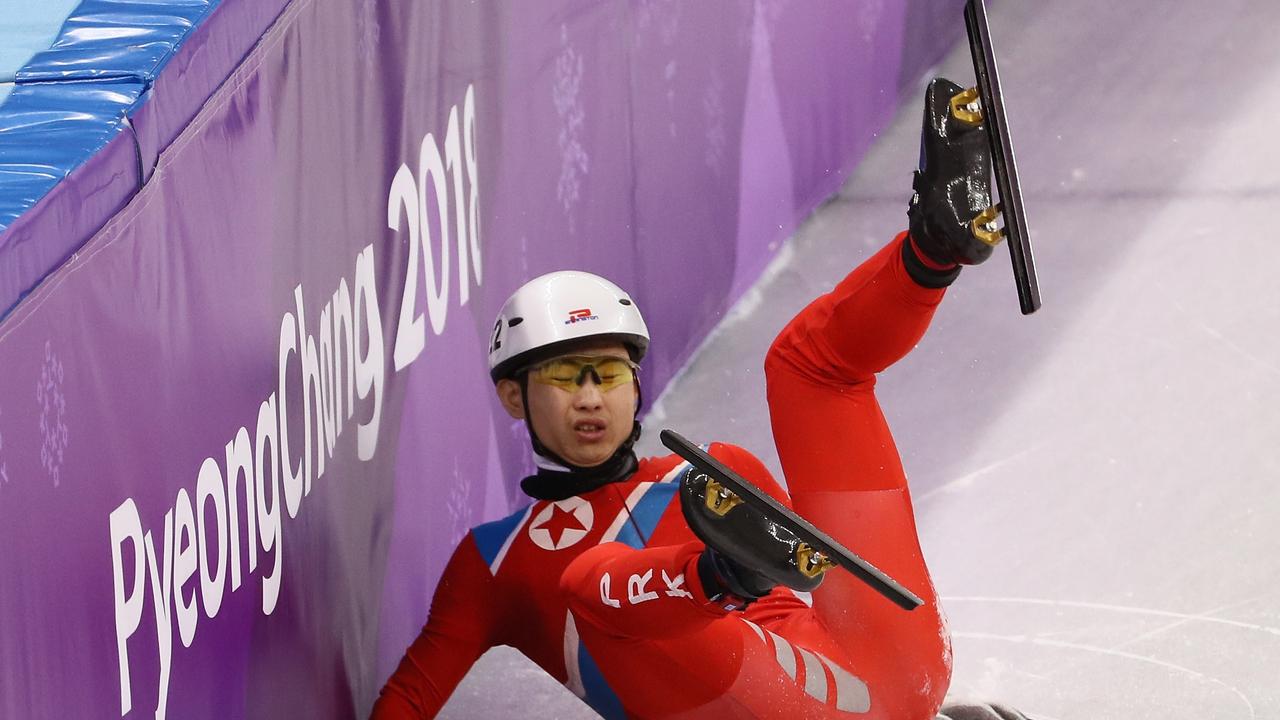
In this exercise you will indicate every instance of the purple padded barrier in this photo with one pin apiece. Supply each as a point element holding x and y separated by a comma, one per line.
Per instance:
<point>199,65</point>
<point>88,117</point>
<point>247,308</point>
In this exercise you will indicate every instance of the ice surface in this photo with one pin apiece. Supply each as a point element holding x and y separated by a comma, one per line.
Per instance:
<point>1097,485</point>
<point>26,29</point>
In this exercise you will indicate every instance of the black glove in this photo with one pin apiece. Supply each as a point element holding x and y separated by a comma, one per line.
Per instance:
<point>729,583</point>
<point>952,186</point>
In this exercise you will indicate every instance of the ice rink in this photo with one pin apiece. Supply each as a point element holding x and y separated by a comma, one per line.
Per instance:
<point>1096,484</point>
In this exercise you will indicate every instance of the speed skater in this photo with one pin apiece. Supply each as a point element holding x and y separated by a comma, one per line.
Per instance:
<point>603,582</point>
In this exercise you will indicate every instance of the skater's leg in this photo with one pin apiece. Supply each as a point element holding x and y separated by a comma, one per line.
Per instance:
<point>865,324</point>
<point>844,474</point>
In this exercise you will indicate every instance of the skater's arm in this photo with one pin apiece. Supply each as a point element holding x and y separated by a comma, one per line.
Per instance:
<point>656,591</point>
<point>644,593</point>
<point>460,628</point>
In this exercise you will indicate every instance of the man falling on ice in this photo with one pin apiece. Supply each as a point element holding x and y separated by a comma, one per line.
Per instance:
<point>619,581</point>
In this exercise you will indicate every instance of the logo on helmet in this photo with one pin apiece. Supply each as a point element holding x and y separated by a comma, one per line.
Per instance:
<point>580,316</point>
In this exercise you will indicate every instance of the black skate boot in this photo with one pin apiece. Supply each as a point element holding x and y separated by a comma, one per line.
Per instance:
<point>978,711</point>
<point>951,217</point>
<point>747,554</point>
<point>761,540</point>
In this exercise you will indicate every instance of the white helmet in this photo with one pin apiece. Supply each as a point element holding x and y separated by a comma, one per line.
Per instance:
<point>550,313</point>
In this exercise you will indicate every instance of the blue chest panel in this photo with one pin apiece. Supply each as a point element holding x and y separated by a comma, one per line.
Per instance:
<point>648,512</point>
<point>491,537</point>
<point>600,696</point>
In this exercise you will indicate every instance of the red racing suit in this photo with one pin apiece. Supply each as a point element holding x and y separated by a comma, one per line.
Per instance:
<point>601,589</point>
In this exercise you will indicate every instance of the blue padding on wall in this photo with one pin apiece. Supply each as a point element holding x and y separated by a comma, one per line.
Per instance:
<point>116,39</point>
<point>67,103</point>
<point>48,129</point>
<point>69,100</point>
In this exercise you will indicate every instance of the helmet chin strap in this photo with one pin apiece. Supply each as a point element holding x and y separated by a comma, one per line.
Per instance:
<point>570,479</point>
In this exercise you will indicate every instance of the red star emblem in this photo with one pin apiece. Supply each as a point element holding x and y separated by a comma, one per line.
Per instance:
<point>560,521</point>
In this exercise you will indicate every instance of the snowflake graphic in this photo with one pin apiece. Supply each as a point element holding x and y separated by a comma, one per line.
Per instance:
<point>773,10</point>
<point>717,138</point>
<point>665,14</point>
<point>566,94</point>
<point>669,74</point>
<point>53,414</point>
<point>457,502</point>
<point>4,469</point>
<point>869,13</point>
<point>518,437</point>
<point>664,17</point>
<point>367,34</point>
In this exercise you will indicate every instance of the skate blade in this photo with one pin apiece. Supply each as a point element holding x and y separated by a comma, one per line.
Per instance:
<point>991,99</point>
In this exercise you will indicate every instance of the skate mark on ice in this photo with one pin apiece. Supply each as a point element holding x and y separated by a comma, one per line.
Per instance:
<point>1187,617</point>
<point>1178,622</point>
<point>1208,615</point>
<point>965,481</point>
<point>1029,713</point>
<point>1024,639</point>
<point>1231,344</point>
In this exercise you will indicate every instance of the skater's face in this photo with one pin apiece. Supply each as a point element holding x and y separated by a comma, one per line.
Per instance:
<point>585,423</point>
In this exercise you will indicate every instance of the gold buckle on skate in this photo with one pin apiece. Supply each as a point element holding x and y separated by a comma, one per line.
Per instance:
<point>720,499</point>
<point>966,107</point>
<point>984,226</point>
<point>810,562</point>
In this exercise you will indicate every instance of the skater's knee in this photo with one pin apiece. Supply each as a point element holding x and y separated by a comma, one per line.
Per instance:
<point>815,365</point>
<point>781,360</point>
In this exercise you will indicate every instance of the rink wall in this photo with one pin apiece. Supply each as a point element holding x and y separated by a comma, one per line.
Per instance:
<point>244,413</point>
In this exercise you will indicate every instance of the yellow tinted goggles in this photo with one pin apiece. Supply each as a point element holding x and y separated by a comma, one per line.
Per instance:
<point>571,371</point>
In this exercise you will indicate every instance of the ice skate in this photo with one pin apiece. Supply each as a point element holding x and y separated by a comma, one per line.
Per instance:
<point>754,530</point>
<point>769,553</point>
<point>951,216</point>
